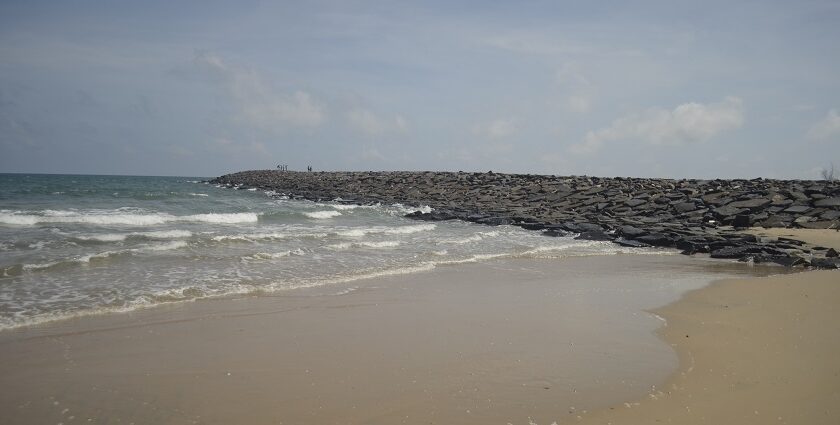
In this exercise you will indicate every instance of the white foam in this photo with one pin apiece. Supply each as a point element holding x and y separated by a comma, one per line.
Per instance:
<point>375,245</point>
<point>105,237</point>
<point>163,247</point>
<point>322,214</point>
<point>354,233</point>
<point>252,237</point>
<point>37,245</point>
<point>119,218</point>
<point>117,237</point>
<point>165,234</point>
<point>403,210</point>
<point>199,194</point>
<point>410,229</point>
<point>262,256</point>
<point>229,218</point>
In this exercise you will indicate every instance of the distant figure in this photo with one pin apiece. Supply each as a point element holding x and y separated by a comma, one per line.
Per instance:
<point>309,168</point>
<point>283,167</point>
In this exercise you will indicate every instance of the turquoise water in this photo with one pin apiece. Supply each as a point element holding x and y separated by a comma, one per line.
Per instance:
<point>73,245</point>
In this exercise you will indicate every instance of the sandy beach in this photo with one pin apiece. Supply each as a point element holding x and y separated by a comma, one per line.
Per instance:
<point>514,341</point>
<point>509,341</point>
<point>752,351</point>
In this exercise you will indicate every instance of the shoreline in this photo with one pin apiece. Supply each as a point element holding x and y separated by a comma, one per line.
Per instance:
<point>534,337</point>
<point>752,351</point>
<point>472,343</point>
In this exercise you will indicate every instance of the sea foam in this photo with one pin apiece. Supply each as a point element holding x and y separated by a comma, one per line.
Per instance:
<point>322,214</point>
<point>119,218</point>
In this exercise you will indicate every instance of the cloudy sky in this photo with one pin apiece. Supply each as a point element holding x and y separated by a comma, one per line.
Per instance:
<point>661,88</point>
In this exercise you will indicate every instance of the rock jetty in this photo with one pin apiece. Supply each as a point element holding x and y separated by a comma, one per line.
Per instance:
<point>695,216</point>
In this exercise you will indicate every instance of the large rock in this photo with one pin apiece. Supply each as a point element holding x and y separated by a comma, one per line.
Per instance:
<point>631,232</point>
<point>735,251</point>
<point>828,202</point>
<point>750,203</point>
<point>684,207</point>
<point>727,211</point>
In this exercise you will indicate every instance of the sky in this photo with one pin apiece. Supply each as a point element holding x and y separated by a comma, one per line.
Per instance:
<point>730,89</point>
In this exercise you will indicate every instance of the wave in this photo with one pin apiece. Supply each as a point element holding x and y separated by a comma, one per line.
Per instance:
<point>256,237</point>
<point>199,194</point>
<point>117,237</point>
<point>18,269</point>
<point>120,218</point>
<point>375,245</point>
<point>322,214</point>
<point>402,230</point>
<point>263,256</point>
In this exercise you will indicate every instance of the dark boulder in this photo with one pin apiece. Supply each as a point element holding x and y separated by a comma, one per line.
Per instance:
<point>727,211</point>
<point>630,243</point>
<point>735,251</point>
<point>826,263</point>
<point>494,221</point>
<point>632,203</point>
<point>797,209</point>
<point>531,226</point>
<point>684,207</point>
<point>828,202</point>
<point>742,221</point>
<point>631,232</point>
<point>554,232</point>
<point>594,236</point>
<point>750,203</point>
<point>656,239</point>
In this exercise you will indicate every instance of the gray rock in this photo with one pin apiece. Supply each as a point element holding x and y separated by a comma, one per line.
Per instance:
<point>727,211</point>
<point>798,209</point>
<point>631,232</point>
<point>826,263</point>
<point>828,202</point>
<point>684,207</point>
<point>750,203</point>
<point>630,243</point>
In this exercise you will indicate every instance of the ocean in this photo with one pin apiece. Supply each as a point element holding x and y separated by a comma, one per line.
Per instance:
<point>75,245</point>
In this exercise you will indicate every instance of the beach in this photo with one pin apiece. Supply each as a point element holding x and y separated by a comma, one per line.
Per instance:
<point>507,341</point>
<point>174,302</point>
<point>751,351</point>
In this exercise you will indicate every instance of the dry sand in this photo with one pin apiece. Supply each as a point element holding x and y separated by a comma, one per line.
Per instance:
<point>502,342</point>
<point>754,351</point>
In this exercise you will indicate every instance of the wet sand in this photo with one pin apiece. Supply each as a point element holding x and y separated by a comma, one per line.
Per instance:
<point>515,341</point>
<point>754,351</point>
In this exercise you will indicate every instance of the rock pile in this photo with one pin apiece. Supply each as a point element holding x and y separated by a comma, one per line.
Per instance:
<point>695,216</point>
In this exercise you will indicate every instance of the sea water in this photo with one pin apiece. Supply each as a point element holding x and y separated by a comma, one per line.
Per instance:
<point>73,245</point>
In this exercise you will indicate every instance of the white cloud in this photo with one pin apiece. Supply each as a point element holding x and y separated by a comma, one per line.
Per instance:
<point>581,92</point>
<point>532,44</point>
<point>579,103</point>
<point>496,129</point>
<point>258,103</point>
<point>687,123</point>
<point>371,124</point>
<point>826,128</point>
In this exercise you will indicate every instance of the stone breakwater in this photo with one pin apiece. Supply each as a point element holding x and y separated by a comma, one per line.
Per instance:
<point>695,216</point>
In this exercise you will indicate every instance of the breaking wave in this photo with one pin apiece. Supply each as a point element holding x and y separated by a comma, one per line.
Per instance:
<point>120,218</point>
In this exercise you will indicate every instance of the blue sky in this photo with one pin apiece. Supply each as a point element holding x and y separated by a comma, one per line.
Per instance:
<point>660,89</point>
